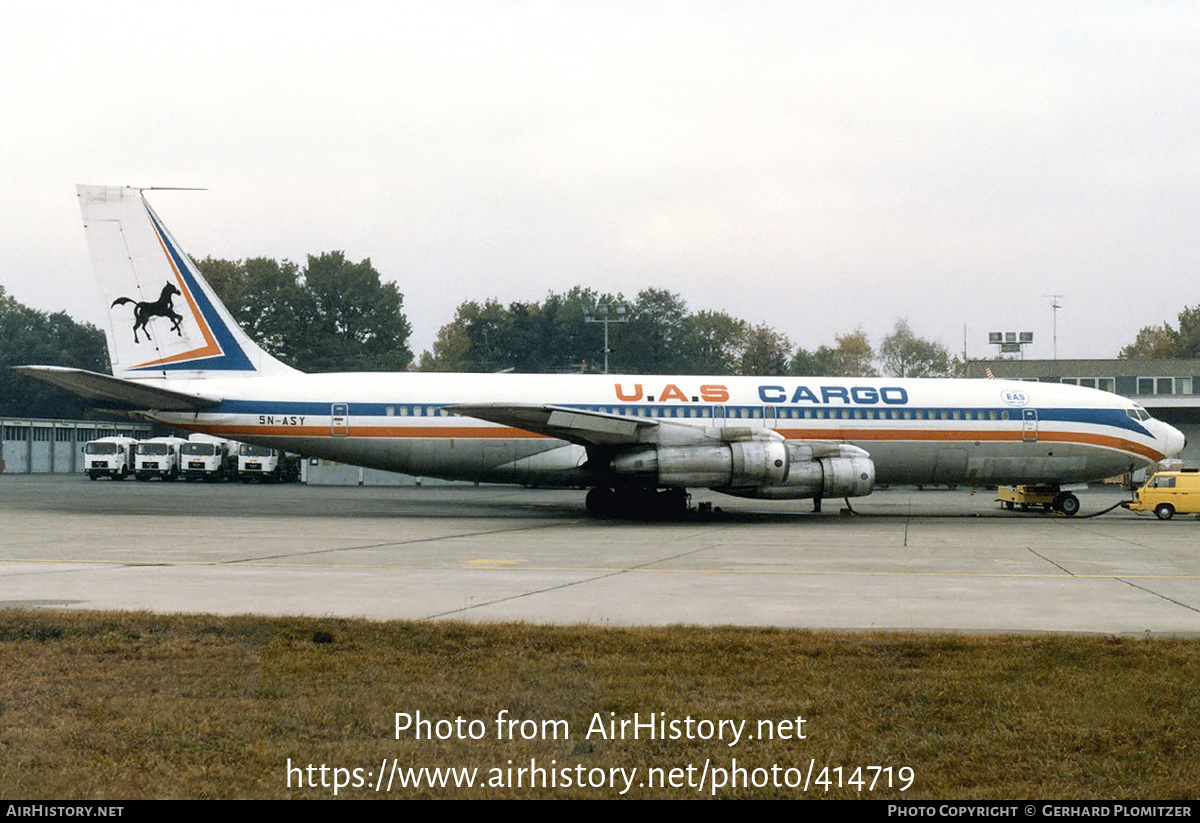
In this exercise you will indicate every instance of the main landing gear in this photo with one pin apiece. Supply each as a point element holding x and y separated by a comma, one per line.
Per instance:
<point>637,502</point>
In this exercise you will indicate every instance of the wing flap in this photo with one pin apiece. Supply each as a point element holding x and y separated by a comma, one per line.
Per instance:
<point>602,429</point>
<point>586,428</point>
<point>126,394</point>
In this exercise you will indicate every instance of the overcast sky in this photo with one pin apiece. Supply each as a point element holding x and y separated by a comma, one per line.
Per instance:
<point>817,166</point>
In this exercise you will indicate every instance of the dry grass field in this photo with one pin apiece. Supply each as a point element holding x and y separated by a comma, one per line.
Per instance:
<point>130,706</point>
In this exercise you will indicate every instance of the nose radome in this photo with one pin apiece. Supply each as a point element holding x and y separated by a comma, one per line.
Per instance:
<point>1174,440</point>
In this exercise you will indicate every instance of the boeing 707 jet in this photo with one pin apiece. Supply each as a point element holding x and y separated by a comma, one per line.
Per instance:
<point>637,442</point>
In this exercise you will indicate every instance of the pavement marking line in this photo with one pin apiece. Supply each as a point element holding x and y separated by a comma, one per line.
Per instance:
<point>1156,594</point>
<point>390,543</point>
<point>544,590</point>
<point>1048,560</point>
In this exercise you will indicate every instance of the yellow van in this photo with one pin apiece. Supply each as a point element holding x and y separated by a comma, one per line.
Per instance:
<point>1167,493</point>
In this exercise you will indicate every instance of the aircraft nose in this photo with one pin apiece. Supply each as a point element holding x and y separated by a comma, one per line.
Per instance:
<point>1174,440</point>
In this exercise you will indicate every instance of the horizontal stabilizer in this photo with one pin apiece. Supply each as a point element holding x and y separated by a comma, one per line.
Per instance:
<point>105,388</point>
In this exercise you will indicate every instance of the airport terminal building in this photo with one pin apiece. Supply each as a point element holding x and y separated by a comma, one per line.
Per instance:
<point>1168,389</point>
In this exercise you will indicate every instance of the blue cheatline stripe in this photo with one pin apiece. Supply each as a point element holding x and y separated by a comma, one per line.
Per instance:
<point>1116,418</point>
<point>232,357</point>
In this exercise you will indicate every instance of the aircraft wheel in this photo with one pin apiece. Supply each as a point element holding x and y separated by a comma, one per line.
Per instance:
<point>1164,511</point>
<point>1068,504</point>
<point>672,502</point>
<point>601,502</point>
<point>633,502</point>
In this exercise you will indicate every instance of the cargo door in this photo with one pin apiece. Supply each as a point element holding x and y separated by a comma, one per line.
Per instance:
<point>1029,425</point>
<point>340,420</point>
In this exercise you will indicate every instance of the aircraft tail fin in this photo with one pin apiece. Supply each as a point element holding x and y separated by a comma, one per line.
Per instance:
<point>164,320</point>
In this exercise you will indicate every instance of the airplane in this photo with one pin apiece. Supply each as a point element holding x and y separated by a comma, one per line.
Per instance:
<point>637,442</point>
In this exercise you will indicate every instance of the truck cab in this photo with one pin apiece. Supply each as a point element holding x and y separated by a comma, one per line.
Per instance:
<point>1169,493</point>
<point>266,464</point>
<point>109,457</point>
<point>158,457</point>
<point>209,458</point>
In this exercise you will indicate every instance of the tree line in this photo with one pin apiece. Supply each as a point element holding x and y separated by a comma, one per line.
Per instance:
<point>1165,341</point>
<point>660,335</point>
<point>330,315</point>
<point>337,315</point>
<point>34,337</point>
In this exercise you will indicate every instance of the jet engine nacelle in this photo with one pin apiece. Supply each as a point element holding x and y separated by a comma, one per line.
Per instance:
<point>770,469</point>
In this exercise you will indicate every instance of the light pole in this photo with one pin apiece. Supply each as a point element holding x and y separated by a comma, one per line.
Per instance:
<point>606,313</point>
<point>1055,306</point>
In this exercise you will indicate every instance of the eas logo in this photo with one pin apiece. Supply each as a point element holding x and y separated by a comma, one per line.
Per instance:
<point>1014,398</point>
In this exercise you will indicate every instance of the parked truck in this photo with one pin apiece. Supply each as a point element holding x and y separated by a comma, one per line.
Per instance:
<point>158,457</point>
<point>209,458</point>
<point>264,464</point>
<point>109,457</point>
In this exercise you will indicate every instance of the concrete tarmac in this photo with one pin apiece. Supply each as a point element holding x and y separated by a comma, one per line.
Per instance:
<point>907,559</point>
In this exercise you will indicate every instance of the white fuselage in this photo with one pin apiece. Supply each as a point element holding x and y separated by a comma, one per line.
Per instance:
<point>982,432</point>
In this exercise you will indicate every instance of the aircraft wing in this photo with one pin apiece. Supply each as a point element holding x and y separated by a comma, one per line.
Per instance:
<point>603,429</point>
<point>105,388</point>
<point>615,431</point>
<point>587,428</point>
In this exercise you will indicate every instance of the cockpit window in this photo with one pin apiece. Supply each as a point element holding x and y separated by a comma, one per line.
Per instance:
<point>1137,413</point>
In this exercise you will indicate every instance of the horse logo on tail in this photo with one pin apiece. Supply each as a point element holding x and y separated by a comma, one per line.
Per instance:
<point>162,307</point>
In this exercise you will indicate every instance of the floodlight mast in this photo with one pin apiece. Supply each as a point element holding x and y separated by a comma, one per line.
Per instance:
<point>606,313</point>
<point>1011,342</point>
<point>1055,306</point>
